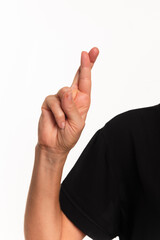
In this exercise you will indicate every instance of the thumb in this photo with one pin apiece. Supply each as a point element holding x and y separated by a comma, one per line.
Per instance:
<point>70,109</point>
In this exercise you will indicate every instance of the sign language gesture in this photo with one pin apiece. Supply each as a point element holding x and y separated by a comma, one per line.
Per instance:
<point>63,114</point>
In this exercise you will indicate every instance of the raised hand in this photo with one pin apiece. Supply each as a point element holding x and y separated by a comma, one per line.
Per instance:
<point>60,108</point>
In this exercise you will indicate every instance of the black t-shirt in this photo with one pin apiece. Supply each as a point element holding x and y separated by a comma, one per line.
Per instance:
<point>113,188</point>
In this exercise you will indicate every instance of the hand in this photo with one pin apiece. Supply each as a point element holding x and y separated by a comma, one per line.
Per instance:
<point>58,108</point>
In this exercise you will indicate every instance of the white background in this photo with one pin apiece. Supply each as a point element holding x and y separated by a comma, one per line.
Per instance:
<point>40,48</point>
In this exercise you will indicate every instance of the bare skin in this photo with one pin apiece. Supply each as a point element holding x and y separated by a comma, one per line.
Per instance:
<point>44,219</point>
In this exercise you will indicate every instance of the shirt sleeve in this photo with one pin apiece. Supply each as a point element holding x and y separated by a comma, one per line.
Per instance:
<point>89,195</point>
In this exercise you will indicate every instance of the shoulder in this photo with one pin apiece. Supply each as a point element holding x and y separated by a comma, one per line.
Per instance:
<point>127,121</point>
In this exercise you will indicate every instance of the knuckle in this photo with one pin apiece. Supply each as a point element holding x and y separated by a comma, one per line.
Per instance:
<point>51,100</point>
<point>62,91</point>
<point>64,88</point>
<point>48,97</point>
<point>46,100</point>
<point>67,92</point>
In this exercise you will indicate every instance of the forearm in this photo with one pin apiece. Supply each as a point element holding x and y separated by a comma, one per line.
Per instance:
<point>42,219</point>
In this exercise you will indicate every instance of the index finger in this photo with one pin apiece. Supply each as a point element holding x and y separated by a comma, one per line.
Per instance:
<point>83,73</point>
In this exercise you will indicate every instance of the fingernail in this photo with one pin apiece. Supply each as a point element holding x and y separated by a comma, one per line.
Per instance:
<point>62,124</point>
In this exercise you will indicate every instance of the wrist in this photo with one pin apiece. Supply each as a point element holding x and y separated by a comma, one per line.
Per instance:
<point>48,158</point>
